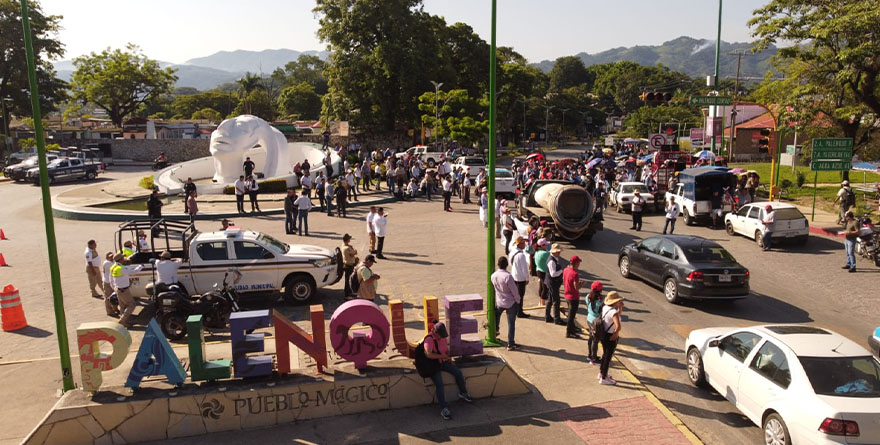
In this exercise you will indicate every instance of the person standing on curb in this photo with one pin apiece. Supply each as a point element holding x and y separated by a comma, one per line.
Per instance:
<point>768,221</point>
<point>252,190</point>
<point>303,206</point>
<point>851,234</point>
<point>846,198</point>
<point>519,269</point>
<point>572,282</point>
<point>193,207</point>
<point>611,324</point>
<point>553,281</point>
<point>594,311</point>
<point>239,194</point>
<point>672,213</point>
<point>542,253</point>
<point>290,212</point>
<point>506,299</point>
<point>329,193</point>
<point>188,189</point>
<point>349,261</point>
<point>436,347</point>
<point>370,232</point>
<point>107,281</point>
<point>637,204</point>
<point>367,279</point>
<point>93,268</point>
<point>380,221</point>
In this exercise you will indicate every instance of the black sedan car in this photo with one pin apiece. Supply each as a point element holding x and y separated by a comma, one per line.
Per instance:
<point>685,267</point>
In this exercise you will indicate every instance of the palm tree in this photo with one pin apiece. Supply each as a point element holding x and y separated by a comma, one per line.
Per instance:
<point>246,85</point>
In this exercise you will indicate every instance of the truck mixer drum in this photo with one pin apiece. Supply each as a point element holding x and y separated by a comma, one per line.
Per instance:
<point>570,206</point>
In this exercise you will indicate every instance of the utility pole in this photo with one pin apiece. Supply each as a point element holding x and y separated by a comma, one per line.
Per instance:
<point>491,339</point>
<point>739,55</point>
<point>437,86</point>
<point>563,110</point>
<point>547,123</point>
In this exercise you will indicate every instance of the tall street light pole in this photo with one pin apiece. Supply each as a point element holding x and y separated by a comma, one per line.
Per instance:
<point>437,86</point>
<point>563,110</point>
<point>6,145</point>
<point>715,80</point>
<point>54,270</point>
<point>492,333</point>
<point>547,122</point>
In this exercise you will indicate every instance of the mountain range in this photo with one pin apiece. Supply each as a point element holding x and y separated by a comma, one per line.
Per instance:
<point>208,72</point>
<point>694,57</point>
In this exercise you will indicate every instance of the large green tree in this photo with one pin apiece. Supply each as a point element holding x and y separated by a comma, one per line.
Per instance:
<point>14,84</point>
<point>309,69</point>
<point>184,106</point>
<point>300,102</point>
<point>832,65</point>
<point>646,119</point>
<point>119,81</point>
<point>569,72</point>
<point>619,85</point>
<point>461,117</point>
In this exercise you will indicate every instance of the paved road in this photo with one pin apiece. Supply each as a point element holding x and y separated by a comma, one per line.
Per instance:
<point>789,285</point>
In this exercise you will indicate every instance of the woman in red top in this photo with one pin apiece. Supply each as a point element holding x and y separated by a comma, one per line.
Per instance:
<point>572,283</point>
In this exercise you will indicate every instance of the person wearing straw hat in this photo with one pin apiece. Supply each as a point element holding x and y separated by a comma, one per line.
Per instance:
<point>572,282</point>
<point>484,207</point>
<point>611,324</point>
<point>166,271</point>
<point>349,261</point>
<point>519,268</point>
<point>553,281</point>
<point>637,204</point>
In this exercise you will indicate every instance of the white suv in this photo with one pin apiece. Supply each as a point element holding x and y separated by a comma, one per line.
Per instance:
<point>790,223</point>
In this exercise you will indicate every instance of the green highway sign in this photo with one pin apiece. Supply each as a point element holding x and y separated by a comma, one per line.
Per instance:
<point>832,144</point>
<point>832,155</point>
<point>822,166</point>
<point>710,100</point>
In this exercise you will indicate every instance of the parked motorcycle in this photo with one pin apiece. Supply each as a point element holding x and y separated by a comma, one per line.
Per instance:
<point>174,306</point>
<point>868,242</point>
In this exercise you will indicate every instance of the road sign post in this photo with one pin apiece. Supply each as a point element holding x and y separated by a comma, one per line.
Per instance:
<point>830,154</point>
<point>720,101</point>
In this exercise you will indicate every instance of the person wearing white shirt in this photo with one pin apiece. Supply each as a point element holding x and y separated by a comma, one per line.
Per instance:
<point>379,222</point>
<point>239,193</point>
<point>306,183</point>
<point>377,172</point>
<point>447,194</point>
<point>416,173</point>
<point>304,205</point>
<point>350,183</point>
<point>252,189</point>
<point>93,267</point>
<point>166,269</point>
<point>370,232</point>
<point>519,268</point>
<point>672,212</point>
<point>107,282</point>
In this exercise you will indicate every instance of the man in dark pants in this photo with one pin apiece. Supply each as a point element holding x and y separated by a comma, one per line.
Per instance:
<point>240,189</point>
<point>507,299</point>
<point>154,210</point>
<point>349,261</point>
<point>553,281</point>
<point>341,199</point>
<point>519,269</point>
<point>379,223</point>
<point>572,283</point>
<point>248,166</point>
<point>188,189</point>
<point>638,204</point>
<point>290,212</point>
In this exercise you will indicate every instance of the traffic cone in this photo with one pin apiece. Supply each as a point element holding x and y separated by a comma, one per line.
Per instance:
<point>3,261</point>
<point>2,235</point>
<point>11,312</point>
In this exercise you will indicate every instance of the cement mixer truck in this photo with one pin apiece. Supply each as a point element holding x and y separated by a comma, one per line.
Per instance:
<point>568,209</point>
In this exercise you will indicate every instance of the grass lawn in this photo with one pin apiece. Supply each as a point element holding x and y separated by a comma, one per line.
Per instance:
<point>763,170</point>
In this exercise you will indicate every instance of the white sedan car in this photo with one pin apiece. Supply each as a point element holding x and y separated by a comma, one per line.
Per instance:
<point>790,223</point>
<point>801,384</point>
<point>470,164</point>
<point>623,192</point>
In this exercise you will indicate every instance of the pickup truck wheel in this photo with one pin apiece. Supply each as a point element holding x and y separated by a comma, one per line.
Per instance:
<point>688,219</point>
<point>173,326</point>
<point>431,163</point>
<point>90,175</point>
<point>299,289</point>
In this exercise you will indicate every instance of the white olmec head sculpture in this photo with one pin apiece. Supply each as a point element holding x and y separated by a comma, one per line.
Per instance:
<point>234,137</point>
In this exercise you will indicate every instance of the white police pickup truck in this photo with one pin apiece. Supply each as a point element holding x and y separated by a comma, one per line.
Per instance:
<point>266,264</point>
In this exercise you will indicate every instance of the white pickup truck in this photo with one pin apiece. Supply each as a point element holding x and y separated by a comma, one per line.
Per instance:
<point>266,264</point>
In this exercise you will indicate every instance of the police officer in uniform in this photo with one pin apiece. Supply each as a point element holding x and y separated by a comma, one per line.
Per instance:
<point>121,282</point>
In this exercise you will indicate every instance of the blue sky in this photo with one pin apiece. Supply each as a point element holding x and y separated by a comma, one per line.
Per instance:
<point>177,30</point>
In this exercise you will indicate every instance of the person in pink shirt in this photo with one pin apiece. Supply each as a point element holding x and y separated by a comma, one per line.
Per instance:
<point>572,283</point>
<point>437,348</point>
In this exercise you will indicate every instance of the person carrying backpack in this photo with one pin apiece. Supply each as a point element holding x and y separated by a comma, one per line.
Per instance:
<point>847,198</point>
<point>432,357</point>
<point>594,312</point>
